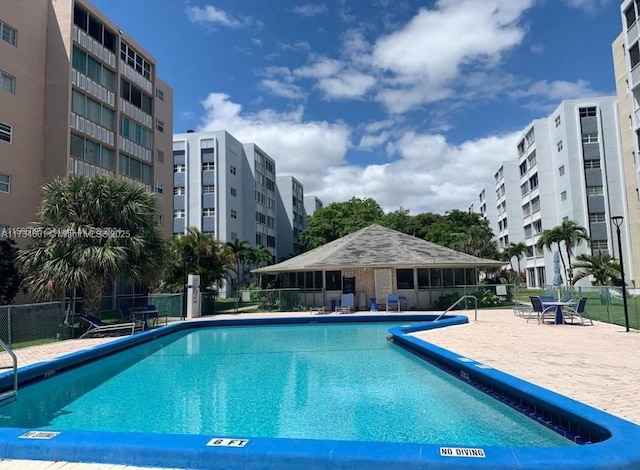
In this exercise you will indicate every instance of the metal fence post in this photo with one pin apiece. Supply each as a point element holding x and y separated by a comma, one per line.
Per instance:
<point>9,326</point>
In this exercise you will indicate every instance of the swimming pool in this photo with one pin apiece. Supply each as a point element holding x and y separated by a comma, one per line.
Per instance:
<point>321,396</point>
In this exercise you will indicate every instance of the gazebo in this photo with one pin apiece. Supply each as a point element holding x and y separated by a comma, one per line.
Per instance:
<point>374,262</point>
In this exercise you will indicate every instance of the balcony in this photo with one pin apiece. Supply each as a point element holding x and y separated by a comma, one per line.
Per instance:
<point>80,167</point>
<point>136,113</point>
<point>134,149</point>
<point>98,91</point>
<point>91,129</point>
<point>135,77</point>
<point>94,46</point>
<point>635,76</point>
<point>633,33</point>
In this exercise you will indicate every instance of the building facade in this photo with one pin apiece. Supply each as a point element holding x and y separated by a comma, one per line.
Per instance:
<point>77,96</point>
<point>568,167</point>
<point>291,216</point>
<point>312,204</point>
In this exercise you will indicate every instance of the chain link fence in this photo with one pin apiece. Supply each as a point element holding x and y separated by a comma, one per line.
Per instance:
<point>31,324</point>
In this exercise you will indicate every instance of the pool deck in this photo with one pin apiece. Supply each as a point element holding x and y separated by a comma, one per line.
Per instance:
<point>597,365</point>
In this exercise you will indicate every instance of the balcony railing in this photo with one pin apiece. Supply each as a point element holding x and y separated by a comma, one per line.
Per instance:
<point>82,168</point>
<point>94,46</point>
<point>91,129</point>
<point>98,91</point>
<point>135,77</point>
<point>636,118</point>
<point>632,33</point>
<point>136,113</point>
<point>635,76</point>
<point>134,149</point>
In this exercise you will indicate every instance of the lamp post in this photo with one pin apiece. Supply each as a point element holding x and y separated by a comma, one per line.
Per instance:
<point>617,221</point>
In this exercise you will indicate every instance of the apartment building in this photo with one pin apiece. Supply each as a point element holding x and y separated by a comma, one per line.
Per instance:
<point>626,60</point>
<point>568,167</point>
<point>225,188</point>
<point>77,96</point>
<point>312,204</point>
<point>291,216</point>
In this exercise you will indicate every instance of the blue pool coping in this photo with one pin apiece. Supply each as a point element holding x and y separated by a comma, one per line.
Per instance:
<point>615,440</point>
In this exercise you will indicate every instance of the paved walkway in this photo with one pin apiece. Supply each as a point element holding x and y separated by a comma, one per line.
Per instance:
<point>598,365</point>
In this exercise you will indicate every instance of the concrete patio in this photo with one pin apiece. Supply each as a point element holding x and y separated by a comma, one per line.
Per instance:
<point>597,365</point>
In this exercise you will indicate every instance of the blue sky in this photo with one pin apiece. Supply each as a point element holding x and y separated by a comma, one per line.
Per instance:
<point>413,103</point>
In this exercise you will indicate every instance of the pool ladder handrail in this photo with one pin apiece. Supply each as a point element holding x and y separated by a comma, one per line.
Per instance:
<point>14,392</point>
<point>475,299</point>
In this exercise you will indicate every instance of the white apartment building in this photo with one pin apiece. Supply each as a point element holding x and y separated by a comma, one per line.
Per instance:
<point>291,218</point>
<point>312,204</point>
<point>225,188</point>
<point>569,167</point>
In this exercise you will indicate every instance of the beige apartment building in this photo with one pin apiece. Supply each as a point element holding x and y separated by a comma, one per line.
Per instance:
<point>77,96</point>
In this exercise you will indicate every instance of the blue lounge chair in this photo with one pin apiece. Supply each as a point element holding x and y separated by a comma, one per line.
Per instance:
<point>393,301</point>
<point>346,304</point>
<point>99,328</point>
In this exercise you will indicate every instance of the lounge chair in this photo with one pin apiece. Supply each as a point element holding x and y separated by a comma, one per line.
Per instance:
<point>152,315</point>
<point>393,301</point>
<point>99,328</point>
<point>346,304</point>
<point>317,310</point>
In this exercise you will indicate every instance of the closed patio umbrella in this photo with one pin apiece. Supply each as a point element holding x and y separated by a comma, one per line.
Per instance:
<point>557,276</point>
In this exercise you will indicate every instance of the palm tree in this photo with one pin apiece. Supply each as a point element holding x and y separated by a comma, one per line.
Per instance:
<point>90,231</point>
<point>547,239</point>
<point>604,269</point>
<point>258,256</point>
<point>240,249</point>
<point>514,250</point>
<point>571,234</point>
<point>196,253</point>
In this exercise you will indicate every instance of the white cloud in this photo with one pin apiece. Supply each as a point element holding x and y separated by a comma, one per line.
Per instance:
<point>590,6</point>
<point>284,90</point>
<point>301,148</point>
<point>212,15</point>
<point>349,84</point>
<point>310,9</point>
<point>370,141</point>
<point>558,90</point>
<point>427,173</point>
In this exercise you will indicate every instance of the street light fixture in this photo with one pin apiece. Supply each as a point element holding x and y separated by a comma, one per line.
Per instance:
<point>617,221</point>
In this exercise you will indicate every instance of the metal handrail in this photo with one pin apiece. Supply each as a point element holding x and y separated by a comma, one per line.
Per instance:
<point>457,302</point>
<point>15,370</point>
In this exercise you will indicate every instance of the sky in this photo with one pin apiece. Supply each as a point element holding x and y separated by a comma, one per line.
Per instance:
<point>412,103</point>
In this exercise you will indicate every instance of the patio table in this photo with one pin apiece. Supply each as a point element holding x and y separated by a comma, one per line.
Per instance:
<point>558,304</point>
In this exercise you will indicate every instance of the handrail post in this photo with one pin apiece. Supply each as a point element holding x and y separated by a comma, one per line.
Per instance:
<point>457,302</point>
<point>14,359</point>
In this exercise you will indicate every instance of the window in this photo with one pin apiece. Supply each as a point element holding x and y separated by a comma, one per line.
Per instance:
<point>537,227</point>
<point>521,148</point>
<point>564,219</point>
<point>93,69</point>
<point>232,169</point>
<point>595,191</point>
<point>160,156</point>
<point>6,132</point>
<point>630,15</point>
<point>234,214</point>
<point>598,246</point>
<point>208,167</point>
<point>528,231</point>
<point>530,138</point>
<point>404,278</point>
<point>208,189</point>
<point>558,121</point>
<point>178,214</point>
<point>136,96</point>
<point>590,138</point>
<point>178,168</point>
<point>160,125</point>
<point>271,241</point>
<point>5,183</point>
<point>233,192</point>
<point>159,187</point>
<point>524,188</point>
<point>526,210</point>
<point>597,217</point>
<point>136,132</point>
<point>559,144</point>
<point>523,168</point>
<point>561,170</point>
<point>159,94</point>
<point>178,191</point>
<point>563,196</point>
<point>135,169</point>
<point>234,235</point>
<point>588,112</point>
<point>208,212</point>
<point>531,159</point>
<point>535,204</point>
<point>159,220</point>
<point>134,60</point>
<point>333,280</point>
<point>92,110</point>
<point>8,34</point>
<point>533,181</point>
<point>591,164</point>
<point>7,82</point>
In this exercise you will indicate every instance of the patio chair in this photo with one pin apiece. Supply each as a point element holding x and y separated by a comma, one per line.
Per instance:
<point>540,310</point>
<point>393,301</point>
<point>151,314</point>
<point>346,304</point>
<point>520,309</point>
<point>99,328</point>
<point>317,310</point>
<point>125,314</point>
<point>578,311</point>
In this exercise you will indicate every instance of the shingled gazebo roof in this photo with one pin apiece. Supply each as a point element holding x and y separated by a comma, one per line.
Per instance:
<point>377,246</point>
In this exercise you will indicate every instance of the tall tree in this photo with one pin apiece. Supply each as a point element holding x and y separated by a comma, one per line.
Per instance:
<point>90,231</point>
<point>240,249</point>
<point>572,235</point>
<point>196,253</point>
<point>604,269</point>
<point>339,219</point>
<point>516,250</point>
<point>463,231</point>
<point>10,277</point>
<point>549,238</point>
<point>399,220</point>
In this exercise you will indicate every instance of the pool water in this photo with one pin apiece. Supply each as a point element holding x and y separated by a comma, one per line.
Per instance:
<point>319,381</point>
